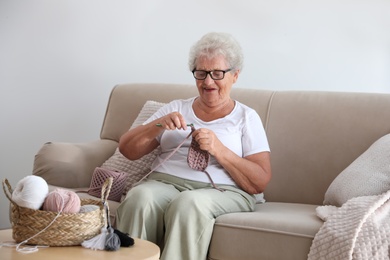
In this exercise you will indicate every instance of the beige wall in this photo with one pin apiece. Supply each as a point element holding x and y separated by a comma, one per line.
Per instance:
<point>60,59</point>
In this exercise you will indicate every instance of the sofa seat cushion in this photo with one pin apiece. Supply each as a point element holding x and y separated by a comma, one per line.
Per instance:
<point>273,231</point>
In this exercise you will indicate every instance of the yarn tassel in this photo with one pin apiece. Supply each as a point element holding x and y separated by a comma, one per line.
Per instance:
<point>98,242</point>
<point>113,242</point>
<point>126,240</point>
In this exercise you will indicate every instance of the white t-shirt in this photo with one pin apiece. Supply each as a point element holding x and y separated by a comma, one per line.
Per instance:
<point>241,131</point>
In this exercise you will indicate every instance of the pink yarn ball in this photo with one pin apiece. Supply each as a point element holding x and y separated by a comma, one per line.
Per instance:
<point>59,199</point>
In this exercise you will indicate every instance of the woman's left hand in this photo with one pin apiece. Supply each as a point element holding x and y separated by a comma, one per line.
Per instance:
<point>207,141</point>
<point>251,173</point>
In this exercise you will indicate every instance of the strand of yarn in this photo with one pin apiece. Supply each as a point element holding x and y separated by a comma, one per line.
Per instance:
<point>32,249</point>
<point>25,249</point>
<point>166,158</point>
<point>35,249</point>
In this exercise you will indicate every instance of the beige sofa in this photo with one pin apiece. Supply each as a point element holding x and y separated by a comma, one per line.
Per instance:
<point>313,136</point>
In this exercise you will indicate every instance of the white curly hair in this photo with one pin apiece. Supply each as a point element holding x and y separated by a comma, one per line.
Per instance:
<point>213,44</point>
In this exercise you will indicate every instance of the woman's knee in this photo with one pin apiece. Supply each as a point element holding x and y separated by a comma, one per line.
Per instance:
<point>188,202</point>
<point>149,195</point>
<point>138,196</point>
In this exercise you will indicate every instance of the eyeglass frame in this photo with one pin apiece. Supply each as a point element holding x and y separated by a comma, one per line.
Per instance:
<point>210,72</point>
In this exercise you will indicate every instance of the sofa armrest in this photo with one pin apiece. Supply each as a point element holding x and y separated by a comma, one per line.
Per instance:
<point>71,165</point>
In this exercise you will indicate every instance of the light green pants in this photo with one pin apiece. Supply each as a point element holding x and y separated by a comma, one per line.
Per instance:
<point>178,214</point>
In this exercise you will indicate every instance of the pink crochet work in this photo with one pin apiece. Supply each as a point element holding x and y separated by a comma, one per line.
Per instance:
<point>198,159</point>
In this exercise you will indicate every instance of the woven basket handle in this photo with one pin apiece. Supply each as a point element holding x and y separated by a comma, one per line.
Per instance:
<point>9,191</point>
<point>106,188</point>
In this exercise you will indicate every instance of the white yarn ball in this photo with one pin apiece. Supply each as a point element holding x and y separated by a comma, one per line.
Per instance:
<point>30,192</point>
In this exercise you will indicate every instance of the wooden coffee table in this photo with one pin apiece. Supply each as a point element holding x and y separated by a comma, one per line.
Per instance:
<point>141,249</point>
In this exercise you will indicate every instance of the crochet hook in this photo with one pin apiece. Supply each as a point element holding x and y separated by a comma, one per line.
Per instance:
<point>160,125</point>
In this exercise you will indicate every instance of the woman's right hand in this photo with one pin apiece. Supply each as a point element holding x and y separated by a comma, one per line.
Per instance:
<point>172,121</point>
<point>141,140</point>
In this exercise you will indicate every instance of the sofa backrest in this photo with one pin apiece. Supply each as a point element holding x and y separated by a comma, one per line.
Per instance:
<point>313,135</point>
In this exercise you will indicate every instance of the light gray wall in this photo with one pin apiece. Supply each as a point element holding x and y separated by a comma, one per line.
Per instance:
<point>60,59</point>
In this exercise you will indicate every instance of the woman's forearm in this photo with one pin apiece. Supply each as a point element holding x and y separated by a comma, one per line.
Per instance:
<point>139,141</point>
<point>251,174</point>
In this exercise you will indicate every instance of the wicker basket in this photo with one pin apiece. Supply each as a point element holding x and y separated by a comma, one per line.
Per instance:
<point>68,229</point>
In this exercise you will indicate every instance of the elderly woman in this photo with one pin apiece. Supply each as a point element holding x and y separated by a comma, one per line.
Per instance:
<point>176,206</point>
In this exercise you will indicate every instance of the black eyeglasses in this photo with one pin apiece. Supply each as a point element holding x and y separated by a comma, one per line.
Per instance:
<point>214,74</point>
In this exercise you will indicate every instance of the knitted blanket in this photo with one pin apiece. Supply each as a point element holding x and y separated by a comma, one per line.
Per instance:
<point>359,229</point>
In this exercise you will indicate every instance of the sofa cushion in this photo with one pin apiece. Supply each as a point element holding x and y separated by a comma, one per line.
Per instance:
<point>136,169</point>
<point>273,231</point>
<point>368,175</point>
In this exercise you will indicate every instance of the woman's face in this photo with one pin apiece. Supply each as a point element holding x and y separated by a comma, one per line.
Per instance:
<point>215,92</point>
